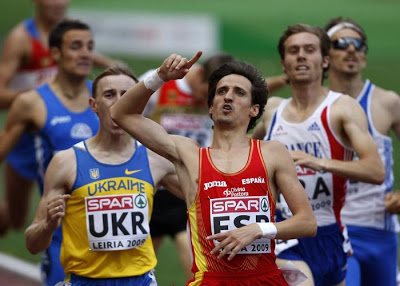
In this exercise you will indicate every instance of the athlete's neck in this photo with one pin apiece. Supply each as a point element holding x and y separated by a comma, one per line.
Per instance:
<point>111,149</point>
<point>69,87</point>
<point>347,84</point>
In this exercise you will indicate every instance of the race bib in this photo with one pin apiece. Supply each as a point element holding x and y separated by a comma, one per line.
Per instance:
<point>234,212</point>
<point>117,222</point>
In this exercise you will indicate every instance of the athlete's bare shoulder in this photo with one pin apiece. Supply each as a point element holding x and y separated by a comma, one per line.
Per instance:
<point>389,98</point>
<point>276,156</point>
<point>272,150</point>
<point>62,168</point>
<point>29,107</point>
<point>272,146</point>
<point>18,38</point>
<point>28,100</point>
<point>273,103</point>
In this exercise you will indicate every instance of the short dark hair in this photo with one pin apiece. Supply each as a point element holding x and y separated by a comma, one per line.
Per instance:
<point>259,90</point>
<point>214,62</point>
<point>334,21</point>
<point>57,34</point>
<point>324,41</point>
<point>113,70</point>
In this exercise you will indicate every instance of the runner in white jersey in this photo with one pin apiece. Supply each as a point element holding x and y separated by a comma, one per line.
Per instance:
<point>320,129</point>
<point>314,136</point>
<point>372,229</point>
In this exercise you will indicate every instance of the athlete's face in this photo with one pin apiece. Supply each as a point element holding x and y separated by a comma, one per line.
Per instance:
<point>347,61</point>
<point>52,11</point>
<point>303,61</point>
<point>232,104</point>
<point>76,55</point>
<point>109,90</point>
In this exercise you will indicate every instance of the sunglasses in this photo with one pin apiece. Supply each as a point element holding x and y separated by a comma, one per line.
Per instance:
<point>344,43</point>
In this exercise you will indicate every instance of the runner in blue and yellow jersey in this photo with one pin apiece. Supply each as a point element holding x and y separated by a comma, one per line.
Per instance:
<point>102,189</point>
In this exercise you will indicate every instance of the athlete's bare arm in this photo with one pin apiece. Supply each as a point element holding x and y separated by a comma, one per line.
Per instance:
<point>275,83</point>
<point>385,107</point>
<point>59,178</point>
<point>15,51</point>
<point>284,180</point>
<point>26,114</point>
<point>350,124</point>
<point>127,114</point>
<point>102,61</point>
<point>164,173</point>
<point>283,177</point>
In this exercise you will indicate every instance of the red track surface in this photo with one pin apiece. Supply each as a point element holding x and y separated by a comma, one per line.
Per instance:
<point>11,279</point>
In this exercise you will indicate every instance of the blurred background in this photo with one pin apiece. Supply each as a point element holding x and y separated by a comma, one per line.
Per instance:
<point>142,33</point>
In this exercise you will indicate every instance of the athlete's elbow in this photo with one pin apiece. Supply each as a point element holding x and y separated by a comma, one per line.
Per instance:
<point>34,244</point>
<point>379,175</point>
<point>32,247</point>
<point>311,227</point>
<point>115,116</point>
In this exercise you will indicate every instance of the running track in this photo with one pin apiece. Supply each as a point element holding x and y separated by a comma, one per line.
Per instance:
<point>15,272</point>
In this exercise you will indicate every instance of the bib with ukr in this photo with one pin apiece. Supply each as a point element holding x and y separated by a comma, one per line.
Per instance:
<point>117,222</point>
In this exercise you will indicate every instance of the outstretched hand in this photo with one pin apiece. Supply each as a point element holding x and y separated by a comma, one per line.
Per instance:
<point>176,66</point>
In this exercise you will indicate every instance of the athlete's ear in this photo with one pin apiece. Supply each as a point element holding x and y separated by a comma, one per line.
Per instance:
<point>325,62</point>
<point>255,109</point>
<point>283,66</point>
<point>55,54</point>
<point>93,104</point>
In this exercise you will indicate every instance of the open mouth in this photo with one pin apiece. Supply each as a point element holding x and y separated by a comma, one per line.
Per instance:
<point>302,68</point>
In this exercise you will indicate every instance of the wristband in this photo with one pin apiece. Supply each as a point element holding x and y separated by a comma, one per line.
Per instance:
<point>268,229</point>
<point>153,81</point>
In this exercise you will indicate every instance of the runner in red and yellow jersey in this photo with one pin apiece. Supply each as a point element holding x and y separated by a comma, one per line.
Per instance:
<point>229,188</point>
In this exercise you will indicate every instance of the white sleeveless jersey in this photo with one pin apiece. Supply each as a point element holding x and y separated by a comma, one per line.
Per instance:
<point>314,136</point>
<point>364,202</point>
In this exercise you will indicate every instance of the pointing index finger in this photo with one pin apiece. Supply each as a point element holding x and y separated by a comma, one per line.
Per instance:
<point>195,58</point>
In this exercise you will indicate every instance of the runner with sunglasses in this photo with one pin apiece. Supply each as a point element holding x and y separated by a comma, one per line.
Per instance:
<point>321,128</point>
<point>372,229</point>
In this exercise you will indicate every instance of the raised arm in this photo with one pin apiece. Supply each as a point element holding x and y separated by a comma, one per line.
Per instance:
<point>51,208</point>
<point>127,112</point>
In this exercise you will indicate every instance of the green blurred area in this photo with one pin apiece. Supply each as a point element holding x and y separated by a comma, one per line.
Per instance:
<point>250,31</point>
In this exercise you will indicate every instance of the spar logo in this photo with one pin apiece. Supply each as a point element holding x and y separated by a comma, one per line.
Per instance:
<point>231,213</point>
<point>242,205</point>
<point>140,201</point>
<point>111,203</point>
